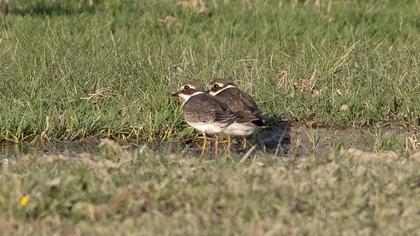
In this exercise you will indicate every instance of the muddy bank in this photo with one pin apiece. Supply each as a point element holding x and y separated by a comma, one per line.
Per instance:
<point>281,140</point>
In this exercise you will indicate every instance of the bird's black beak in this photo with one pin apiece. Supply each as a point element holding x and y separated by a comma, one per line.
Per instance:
<point>174,94</point>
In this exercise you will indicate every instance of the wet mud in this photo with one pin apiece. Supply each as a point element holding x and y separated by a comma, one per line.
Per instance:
<point>280,140</point>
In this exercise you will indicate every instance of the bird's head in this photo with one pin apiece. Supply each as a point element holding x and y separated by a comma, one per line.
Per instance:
<point>187,90</point>
<point>218,85</point>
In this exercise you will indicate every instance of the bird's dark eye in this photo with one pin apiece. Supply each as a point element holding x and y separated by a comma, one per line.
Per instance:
<point>186,87</point>
<point>216,86</point>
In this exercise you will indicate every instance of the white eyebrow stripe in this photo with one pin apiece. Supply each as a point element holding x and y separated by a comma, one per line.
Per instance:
<point>217,92</point>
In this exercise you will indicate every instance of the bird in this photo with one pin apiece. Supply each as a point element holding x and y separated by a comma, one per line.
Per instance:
<point>204,112</point>
<point>249,116</point>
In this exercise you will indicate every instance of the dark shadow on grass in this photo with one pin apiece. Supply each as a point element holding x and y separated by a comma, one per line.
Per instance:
<point>275,138</point>
<point>50,9</point>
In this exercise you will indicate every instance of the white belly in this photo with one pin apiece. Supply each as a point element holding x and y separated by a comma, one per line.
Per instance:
<point>240,129</point>
<point>208,128</point>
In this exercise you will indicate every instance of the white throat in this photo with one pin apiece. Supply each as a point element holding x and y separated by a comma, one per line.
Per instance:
<point>217,92</point>
<point>186,97</point>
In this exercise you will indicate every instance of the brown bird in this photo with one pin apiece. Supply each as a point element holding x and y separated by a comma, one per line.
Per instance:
<point>203,112</point>
<point>242,104</point>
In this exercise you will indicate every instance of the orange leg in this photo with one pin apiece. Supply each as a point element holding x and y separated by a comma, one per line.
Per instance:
<point>203,148</point>
<point>244,143</point>
<point>216,145</point>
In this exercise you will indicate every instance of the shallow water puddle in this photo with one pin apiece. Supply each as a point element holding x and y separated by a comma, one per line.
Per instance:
<point>68,149</point>
<point>282,141</point>
<point>287,140</point>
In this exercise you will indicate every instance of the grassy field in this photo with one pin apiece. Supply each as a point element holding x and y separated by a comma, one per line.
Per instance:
<point>142,192</point>
<point>69,70</point>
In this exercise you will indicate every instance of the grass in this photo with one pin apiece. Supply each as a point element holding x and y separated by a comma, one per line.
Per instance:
<point>123,192</point>
<point>69,70</point>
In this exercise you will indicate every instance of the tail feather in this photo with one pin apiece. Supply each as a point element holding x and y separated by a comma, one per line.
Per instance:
<point>243,117</point>
<point>258,122</point>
